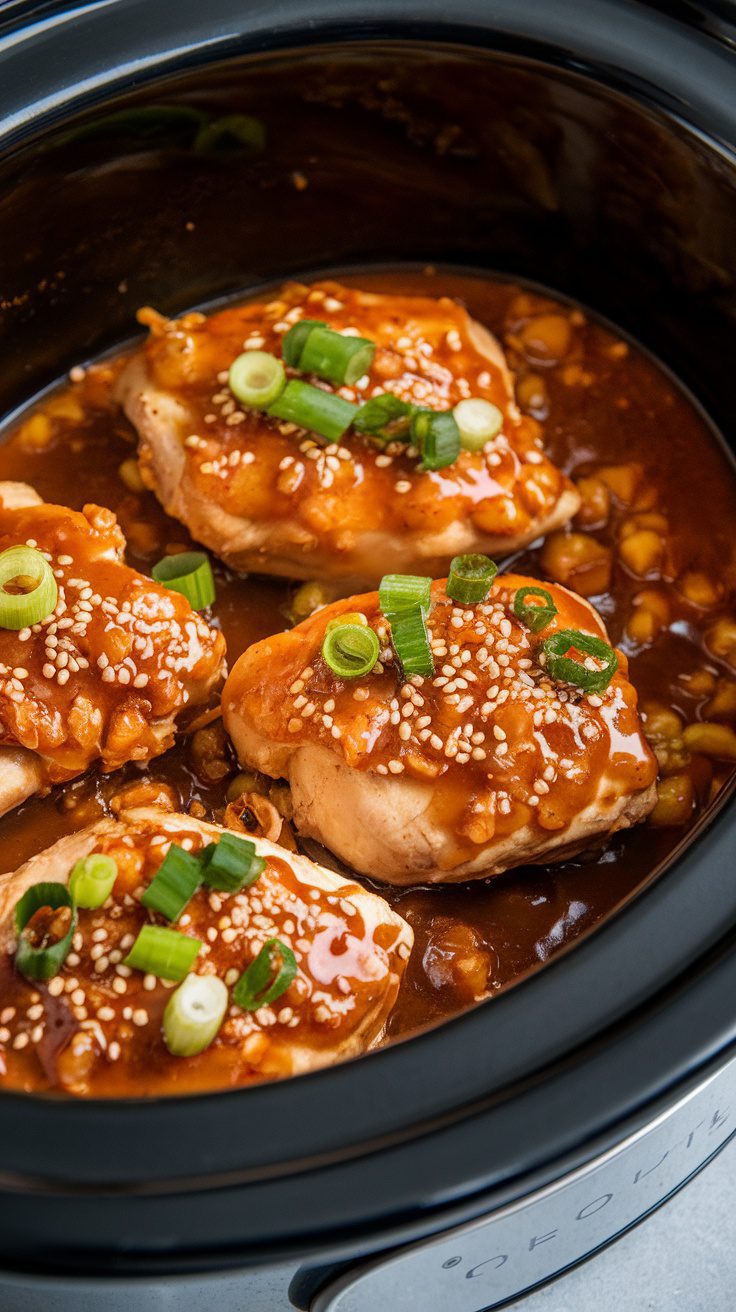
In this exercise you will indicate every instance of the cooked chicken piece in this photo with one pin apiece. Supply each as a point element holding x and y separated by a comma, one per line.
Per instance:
<point>490,764</point>
<point>95,1027</point>
<point>266,496</point>
<point>103,677</point>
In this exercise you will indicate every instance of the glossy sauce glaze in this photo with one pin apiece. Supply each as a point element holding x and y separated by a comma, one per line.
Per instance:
<point>652,546</point>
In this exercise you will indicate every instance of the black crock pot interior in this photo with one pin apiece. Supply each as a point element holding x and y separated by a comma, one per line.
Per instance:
<point>467,149</point>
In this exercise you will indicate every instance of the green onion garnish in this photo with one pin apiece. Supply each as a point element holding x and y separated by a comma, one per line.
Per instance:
<point>174,884</point>
<point>189,573</point>
<point>253,989</point>
<point>256,379</point>
<point>385,416</point>
<point>479,422</point>
<point>40,961</point>
<point>232,132</point>
<point>535,617</point>
<point>338,358</point>
<point>437,436</point>
<point>471,578</point>
<point>311,408</point>
<point>92,879</point>
<point>194,1014</point>
<point>349,617</point>
<point>568,670</point>
<point>350,650</point>
<point>35,592</point>
<point>411,643</point>
<point>231,864</point>
<point>399,592</point>
<point>164,952</point>
<point>293,343</point>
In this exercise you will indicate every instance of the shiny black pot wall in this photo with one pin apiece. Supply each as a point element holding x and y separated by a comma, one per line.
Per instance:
<point>175,153</point>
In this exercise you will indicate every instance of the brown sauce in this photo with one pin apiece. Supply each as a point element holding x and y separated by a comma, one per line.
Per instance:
<point>602,402</point>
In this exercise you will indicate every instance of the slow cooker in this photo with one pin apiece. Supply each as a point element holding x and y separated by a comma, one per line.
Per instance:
<point>485,1156</point>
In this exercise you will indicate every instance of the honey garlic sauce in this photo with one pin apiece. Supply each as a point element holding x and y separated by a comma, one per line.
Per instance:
<point>603,406</point>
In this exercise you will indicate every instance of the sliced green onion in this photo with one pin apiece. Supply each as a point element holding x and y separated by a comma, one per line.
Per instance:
<point>399,592</point>
<point>568,670</point>
<point>189,573</point>
<point>42,960</point>
<point>194,1014</point>
<point>164,952</point>
<point>478,421</point>
<point>256,379</point>
<point>411,643</point>
<point>471,578</point>
<point>174,883</point>
<point>349,617</point>
<point>92,879</point>
<point>385,416</point>
<point>232,132</point>
<point>535,617</point>
<point>311,408</point>
<point>253,989</point>
<point>36,592</point>
<point>338,358</point>
<point>231,863</point>
<point>437,436</point>
<point>350,650</point>
<point>293,343</point>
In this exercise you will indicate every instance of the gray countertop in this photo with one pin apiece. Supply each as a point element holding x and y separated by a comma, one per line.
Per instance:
<point>682,1259</point>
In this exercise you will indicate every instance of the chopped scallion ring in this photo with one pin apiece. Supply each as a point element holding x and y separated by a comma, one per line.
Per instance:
<point>386,417</point>
<point>471,578</point>
<point>92,879</point>
<point>253,989</point>
<point>437,436</point>
<point>193,1015</point>
<point>293,343</point>
<point>479,422</point>
<point>398,592</point>
<point>350,650</point>
<point>336,357</point>
<point>231,863</point>
<point>174,883</point>
<point>34,591</point>
<point>164,952</point>
<point>44,946</point>
<point>350,617</point>
<point>256,379</point>
<point>536,617</point>
<point>309,407</point>
<point>410,641</point>
<point>189,573</point>
<point>569,670</point>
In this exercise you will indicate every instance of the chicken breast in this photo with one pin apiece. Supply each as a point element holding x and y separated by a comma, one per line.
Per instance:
<point>103,677</point>
<point>266,496</point>
<point>490,764</point>
<point>95,1027</point>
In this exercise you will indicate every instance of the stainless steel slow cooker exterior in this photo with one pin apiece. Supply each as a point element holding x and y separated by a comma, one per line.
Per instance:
<point>478,1159</point>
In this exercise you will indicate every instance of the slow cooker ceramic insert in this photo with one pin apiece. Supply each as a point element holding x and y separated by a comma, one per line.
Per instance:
<point>585,149</point>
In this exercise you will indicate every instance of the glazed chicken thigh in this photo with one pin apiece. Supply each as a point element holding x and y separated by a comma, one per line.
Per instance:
<point>494,761</point>
<point>102,677</point>
<point>270,496</point>
<point>94,1026</point>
